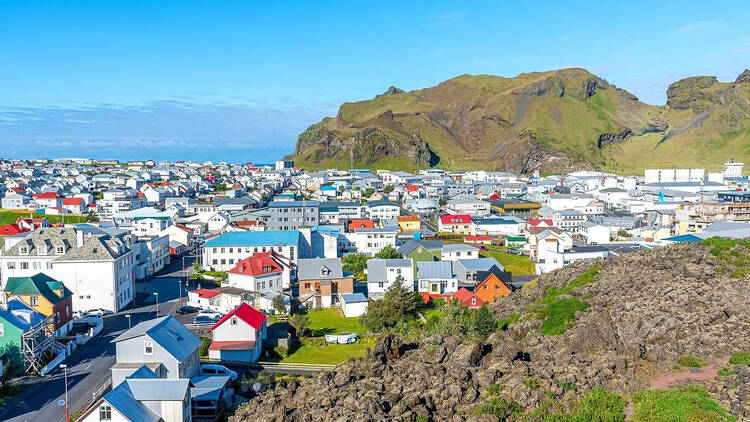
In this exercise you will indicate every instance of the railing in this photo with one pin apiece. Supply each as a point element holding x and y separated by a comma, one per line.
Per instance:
<point>96,395</point>
<point>274,366</point>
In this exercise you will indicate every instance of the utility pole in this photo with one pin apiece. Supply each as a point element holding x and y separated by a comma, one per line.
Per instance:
<point>65,371</point>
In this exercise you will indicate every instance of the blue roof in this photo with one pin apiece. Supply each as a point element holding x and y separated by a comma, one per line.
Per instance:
<point>684,238</point>
<point>168,333</point>
<point>434,269</point>
<point>354,298</point>
<point>266,238</point>
<point>328,187</point>
<point>122,399</point>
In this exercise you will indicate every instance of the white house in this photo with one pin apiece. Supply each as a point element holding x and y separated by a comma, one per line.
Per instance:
<point>382,273</point>
<point>239,335</point>
<point>469,206</point>
<point>454,251</point>
<point>594,233</point>
<point>353,304</point>
<point>371,241</point>
<point>382,210</point>
<point>259,272</point>
<point>436,277</point>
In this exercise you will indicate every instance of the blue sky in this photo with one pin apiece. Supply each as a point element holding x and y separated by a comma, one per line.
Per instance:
<point>238,81</point>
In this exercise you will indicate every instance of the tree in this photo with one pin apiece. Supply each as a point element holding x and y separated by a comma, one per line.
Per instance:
<point>369,192</point>
<point>482,322</point>
<point>12,365</point>
<point>399,305</point>
<point>388,189</point>
<point>356,264</point>
<point>92,217</point>
<point>624,233</point>
<point>278,304</point>
<point>389,252</point>
<point>455,319</point>
<point>300,323</point>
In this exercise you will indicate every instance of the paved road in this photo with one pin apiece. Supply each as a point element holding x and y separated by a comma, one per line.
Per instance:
<point>89,366</point>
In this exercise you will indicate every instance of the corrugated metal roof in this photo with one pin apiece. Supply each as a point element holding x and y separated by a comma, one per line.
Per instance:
<point>438,270</point>
<point>266,238</point>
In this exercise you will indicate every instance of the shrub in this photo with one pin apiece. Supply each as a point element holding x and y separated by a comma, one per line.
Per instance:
<point>725,372</point>
<point>438,302</point>
<point>494,389</point>
<point>482,322</point>
<point>688,403</point>
<point>531,383</point>
<point>281,351</point>
<point>559,315</point>
<point>205,344</point>
<point>741,358</point>
<point>690,361</point>
<point>499,407</point>
<point>300,323</point>
<point>399,305</point>
<point>504,323</point>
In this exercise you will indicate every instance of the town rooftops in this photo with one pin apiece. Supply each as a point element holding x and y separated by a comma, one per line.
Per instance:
<point>455,219</point>
<point>38,284</point>
<point>288,204</point>
<point>371,204</point>
<point>319,269</point>
<point>458,247</point>
<point>265,238</point>
<point>377,269</point>
<point>434,270</point>
<point>411,245</point>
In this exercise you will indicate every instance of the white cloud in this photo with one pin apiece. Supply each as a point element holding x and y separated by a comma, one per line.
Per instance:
<point>698,27</point>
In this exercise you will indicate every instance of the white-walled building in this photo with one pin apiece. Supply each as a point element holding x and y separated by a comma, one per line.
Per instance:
<point>382,273</point>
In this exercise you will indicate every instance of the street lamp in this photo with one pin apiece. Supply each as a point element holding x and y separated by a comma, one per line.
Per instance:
<point>65,371</point>
<point>157,303</point>
<point>128,317</point>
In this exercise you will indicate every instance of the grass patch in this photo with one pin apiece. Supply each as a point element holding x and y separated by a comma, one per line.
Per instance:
<point>531,383</point>
<point>725,372</point>
<point>331,354</point>
<point>558,315</point>
<point>504,323</point>
<point>690,361</point>
<point>7,217</point>
<point>499,407</point>
<point>734,255</point>
<point>516,264</point>
<point>330,321</point>
<point>741,358</point>
<point>596,405</point>
<point>681,404</point>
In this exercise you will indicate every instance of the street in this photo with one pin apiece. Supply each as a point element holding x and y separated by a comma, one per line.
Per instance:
<point>89,366</point>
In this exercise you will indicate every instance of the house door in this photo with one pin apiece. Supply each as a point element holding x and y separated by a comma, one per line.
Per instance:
<point>435,287</point>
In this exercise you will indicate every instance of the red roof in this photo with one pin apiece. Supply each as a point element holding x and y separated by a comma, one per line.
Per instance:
<point>533,222</point>
<point>477,238</point>
<point>232,345</point>
<point>207,293</point>
<point>246,313</point>
<point>72,201</point>
<point>455,219</point>
<point>411,188</point>
<point>361,224</point>
<point>11,229</point>
<point>91,205</point>
<point>18,190</point>
<point>259,263</point>
<point>464,296</point>
<point>494,196</point>
<point>46,195</point>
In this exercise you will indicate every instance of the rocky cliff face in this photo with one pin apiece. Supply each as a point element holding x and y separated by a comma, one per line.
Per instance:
<point>579,120</point>
<point>645,310</point>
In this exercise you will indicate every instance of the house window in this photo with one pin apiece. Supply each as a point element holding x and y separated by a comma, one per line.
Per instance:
<point>105,413</point>
<point>60,250</point>
<point>148,347</point>
<point>234,320</point>
<point>37,265</point>
<point>24,250</point>
<point>473,301</point>
<point>11,265</point>
<point>24,265</point>
<point>34,300</point>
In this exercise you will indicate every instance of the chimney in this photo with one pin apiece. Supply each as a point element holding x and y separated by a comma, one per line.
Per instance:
<point>79,238</point>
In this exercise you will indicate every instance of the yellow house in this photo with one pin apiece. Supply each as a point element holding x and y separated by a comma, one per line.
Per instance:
<point>44,294</point>
<point>409,223</point>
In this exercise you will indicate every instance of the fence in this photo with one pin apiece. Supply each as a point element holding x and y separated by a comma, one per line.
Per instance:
<point>98,393</point>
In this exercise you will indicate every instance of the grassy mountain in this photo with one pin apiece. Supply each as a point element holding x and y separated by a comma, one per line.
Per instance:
<point>548,121</point>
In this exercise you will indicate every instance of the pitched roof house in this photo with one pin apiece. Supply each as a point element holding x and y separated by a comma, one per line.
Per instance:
<point>239,335</point>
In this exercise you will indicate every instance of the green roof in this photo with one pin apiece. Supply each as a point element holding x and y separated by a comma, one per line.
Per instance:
<point>38,284</point>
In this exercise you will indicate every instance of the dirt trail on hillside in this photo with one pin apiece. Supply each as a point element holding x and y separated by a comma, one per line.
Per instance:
<point>671,379</point>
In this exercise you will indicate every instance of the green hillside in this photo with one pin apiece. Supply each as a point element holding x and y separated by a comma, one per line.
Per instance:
<point>547,121</point>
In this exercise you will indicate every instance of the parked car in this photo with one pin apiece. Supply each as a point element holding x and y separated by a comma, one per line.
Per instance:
<point>210,313</point>
<point>213,369</point>
<point>98,312</point>
<point>186,309</point>
<point>205,319</point>
<point>483,248</point>
<point>513,251</point>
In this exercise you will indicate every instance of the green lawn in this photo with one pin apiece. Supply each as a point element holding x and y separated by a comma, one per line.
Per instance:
<point>517,264</point>
<point>428,312</point>
<point>7,217</point>
<point>332,354</point>
<point>331,321</point>
<point>680,404</point>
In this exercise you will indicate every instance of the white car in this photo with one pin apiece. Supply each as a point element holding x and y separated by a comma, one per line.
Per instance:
<point>213,369</point>
<point>209,313</point>
<point>97,312</point>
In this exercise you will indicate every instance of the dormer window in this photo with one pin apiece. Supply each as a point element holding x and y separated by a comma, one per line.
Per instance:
<point>325,271</point>
<point>242,269</point>
<point>148,347</point>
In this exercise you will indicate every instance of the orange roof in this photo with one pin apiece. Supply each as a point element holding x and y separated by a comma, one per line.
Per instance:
<point>361,224</point>
<point>408,218</point>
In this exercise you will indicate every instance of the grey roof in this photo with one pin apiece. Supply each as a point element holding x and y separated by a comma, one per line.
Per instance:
<point>409,246</point>
<point>377,269</point>
<point>158,389</point>
<point>354,298</point>
<point>166,331</point>
<point>479,264</point>
<point>370,204</point>
<point>458,247</point>
<point>726,225</point>
<point>208,387</point>
<point>285,204</point>
<point>439,270</point>
<point>319,269</point>
<point>242,200</point>
<point>96,245</point>
<point>122,398</point>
